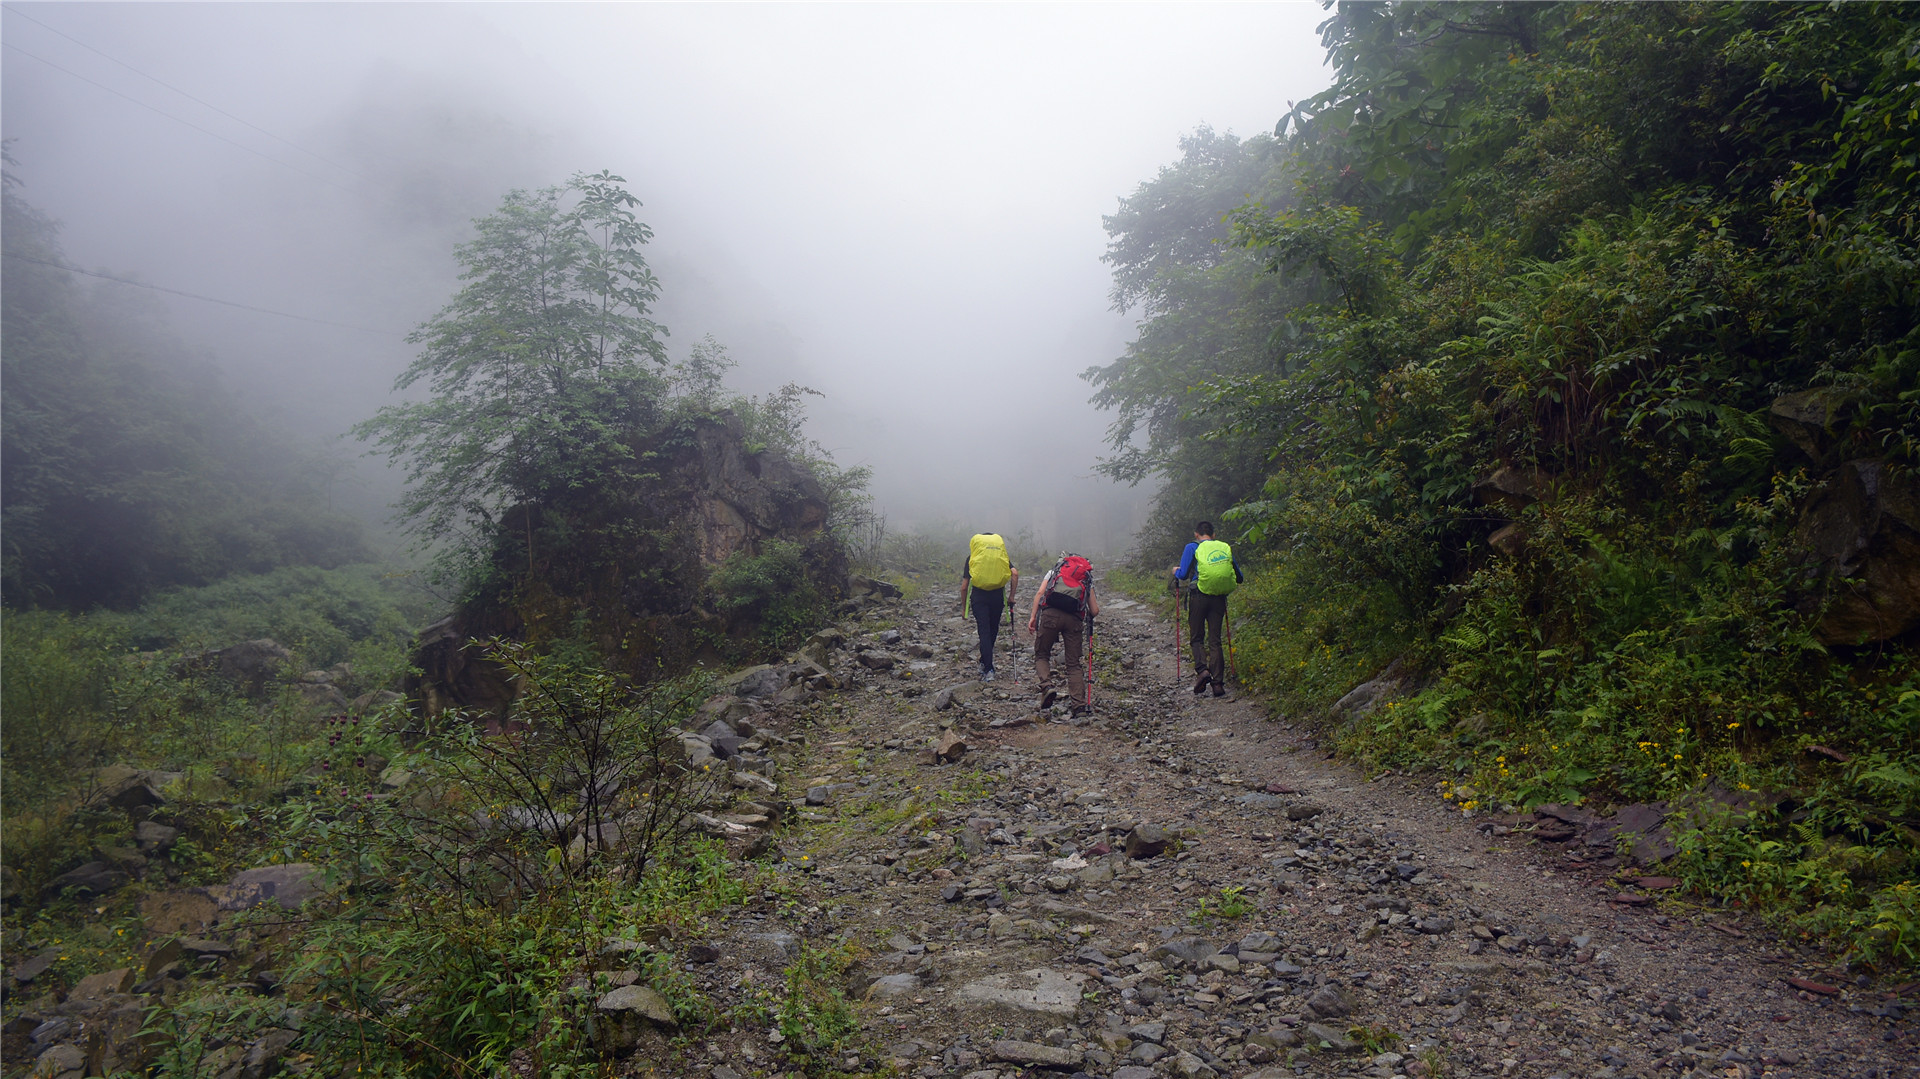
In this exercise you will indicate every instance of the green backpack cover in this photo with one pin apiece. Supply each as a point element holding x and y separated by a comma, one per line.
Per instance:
<point>1213,568</point>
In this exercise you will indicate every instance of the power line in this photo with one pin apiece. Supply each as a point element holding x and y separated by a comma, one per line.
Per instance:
<point>198,101</point>
<point>197,296</point>
<point>176,119</point>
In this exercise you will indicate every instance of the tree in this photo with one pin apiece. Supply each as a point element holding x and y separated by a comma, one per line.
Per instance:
<point>541,363</point>
<point>126,465</point>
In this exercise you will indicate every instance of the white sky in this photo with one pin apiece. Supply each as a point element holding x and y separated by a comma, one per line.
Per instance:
<point>896,204</point>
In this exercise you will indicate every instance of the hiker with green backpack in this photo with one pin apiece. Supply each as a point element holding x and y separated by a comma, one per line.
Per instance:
<point>1063,605</point>
<point>1214,573</point>
<point>988,584</point>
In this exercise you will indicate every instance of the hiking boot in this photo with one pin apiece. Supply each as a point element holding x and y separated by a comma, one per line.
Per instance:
<point>1219,690</point>
<point>1047,699</point>
<point>1200,683</point>
<point>986,674</point>
<point>1082,710</point>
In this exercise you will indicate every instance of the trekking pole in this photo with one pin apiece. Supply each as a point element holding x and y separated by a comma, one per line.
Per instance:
<point>1176,631</point>
<point>1089,659</point>
<point>1226,623</point>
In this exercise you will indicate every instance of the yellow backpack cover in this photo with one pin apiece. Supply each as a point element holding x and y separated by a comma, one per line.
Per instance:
<point>987,562</point>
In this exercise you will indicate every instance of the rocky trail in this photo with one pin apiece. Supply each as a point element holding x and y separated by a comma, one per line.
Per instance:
<point>1181,886</point>
<point>963,886</point>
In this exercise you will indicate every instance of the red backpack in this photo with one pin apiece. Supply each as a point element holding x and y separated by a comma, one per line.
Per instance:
<point>1070,580</point>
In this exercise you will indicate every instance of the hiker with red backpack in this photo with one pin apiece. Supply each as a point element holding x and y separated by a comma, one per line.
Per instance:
<point>1210,567</point>
<point>1062,605</point>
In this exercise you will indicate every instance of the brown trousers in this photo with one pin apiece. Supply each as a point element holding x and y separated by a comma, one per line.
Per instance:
<point>1061,626</point>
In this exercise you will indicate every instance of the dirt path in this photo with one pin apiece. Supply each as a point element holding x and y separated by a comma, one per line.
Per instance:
<point>1301,920</point>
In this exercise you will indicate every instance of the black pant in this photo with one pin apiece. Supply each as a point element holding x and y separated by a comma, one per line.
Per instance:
<point>1204,614</point>
<point>988,603</point>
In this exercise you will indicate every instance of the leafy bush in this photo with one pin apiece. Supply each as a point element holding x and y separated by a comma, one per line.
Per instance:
<point>1502,330</point>
<point>772,591</point>
<point>326,615</point>
<point>471,907</point>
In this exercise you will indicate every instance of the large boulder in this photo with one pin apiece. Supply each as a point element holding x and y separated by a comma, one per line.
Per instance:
<point>1812,419</point>
<point>761,681</point>
<point>124,787</point>
<point>1367,697</point>
<point>1511,489</point>
<point>454,672</point>
<point>1862,528</point>
<point>287,885</point>
<point>250,665</point>
<point>93,878</point>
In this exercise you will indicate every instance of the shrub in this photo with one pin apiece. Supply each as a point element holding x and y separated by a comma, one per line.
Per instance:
<point>771,592</point>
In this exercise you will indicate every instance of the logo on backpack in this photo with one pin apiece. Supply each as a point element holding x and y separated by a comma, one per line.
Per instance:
<point>987,564</point>
<point>1213,568</point>
<point>1071,576</point>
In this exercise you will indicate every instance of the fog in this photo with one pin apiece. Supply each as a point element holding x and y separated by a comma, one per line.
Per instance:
<point>898,206</point>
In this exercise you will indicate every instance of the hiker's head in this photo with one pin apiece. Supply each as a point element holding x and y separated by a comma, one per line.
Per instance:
<point>1203,530</point>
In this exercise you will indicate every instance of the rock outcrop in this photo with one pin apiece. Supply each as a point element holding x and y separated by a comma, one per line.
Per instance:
<point>705,501</point>
<point>1863,530</point>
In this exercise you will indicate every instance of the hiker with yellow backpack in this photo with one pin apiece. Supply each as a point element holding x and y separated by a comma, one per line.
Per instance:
<point>989,583</point>
<point>1214,573</point>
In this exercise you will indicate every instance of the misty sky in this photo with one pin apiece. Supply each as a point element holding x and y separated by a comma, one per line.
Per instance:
<point>898,205</point>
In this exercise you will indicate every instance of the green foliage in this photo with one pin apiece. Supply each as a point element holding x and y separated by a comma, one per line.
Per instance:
<point>1210,315</point>
<point>777,423</point>
<point>815,1017</point>
<point>773,589</point>
<point>469,912</point>
<point>127,466</point>
<point>1232,902</point>
<point>537,371</point>
<point>327,616</point>
<point>1581,250</point>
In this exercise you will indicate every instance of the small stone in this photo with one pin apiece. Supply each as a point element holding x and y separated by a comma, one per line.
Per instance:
<point>951,747</point>
<point>1035,1055</point>
<point>27,970</point>
<point>154,838</point>
<point>1331,1038</point>
<point>640,1001</point>
<point>1188,1066</point>
<point>1304,811</point>
<point>1258,942</point>
<point>1222,961</point>
<point>1155,1032</point>
<point>263,1057</point>
<point>1042,993</point>
<point>93,878</point>
<point>60,1062</point>
<point>1330,1002</point>
<point>1146,841</point>
<point>286,885</point>
<point>95,986</point>
<point>893,987</point>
